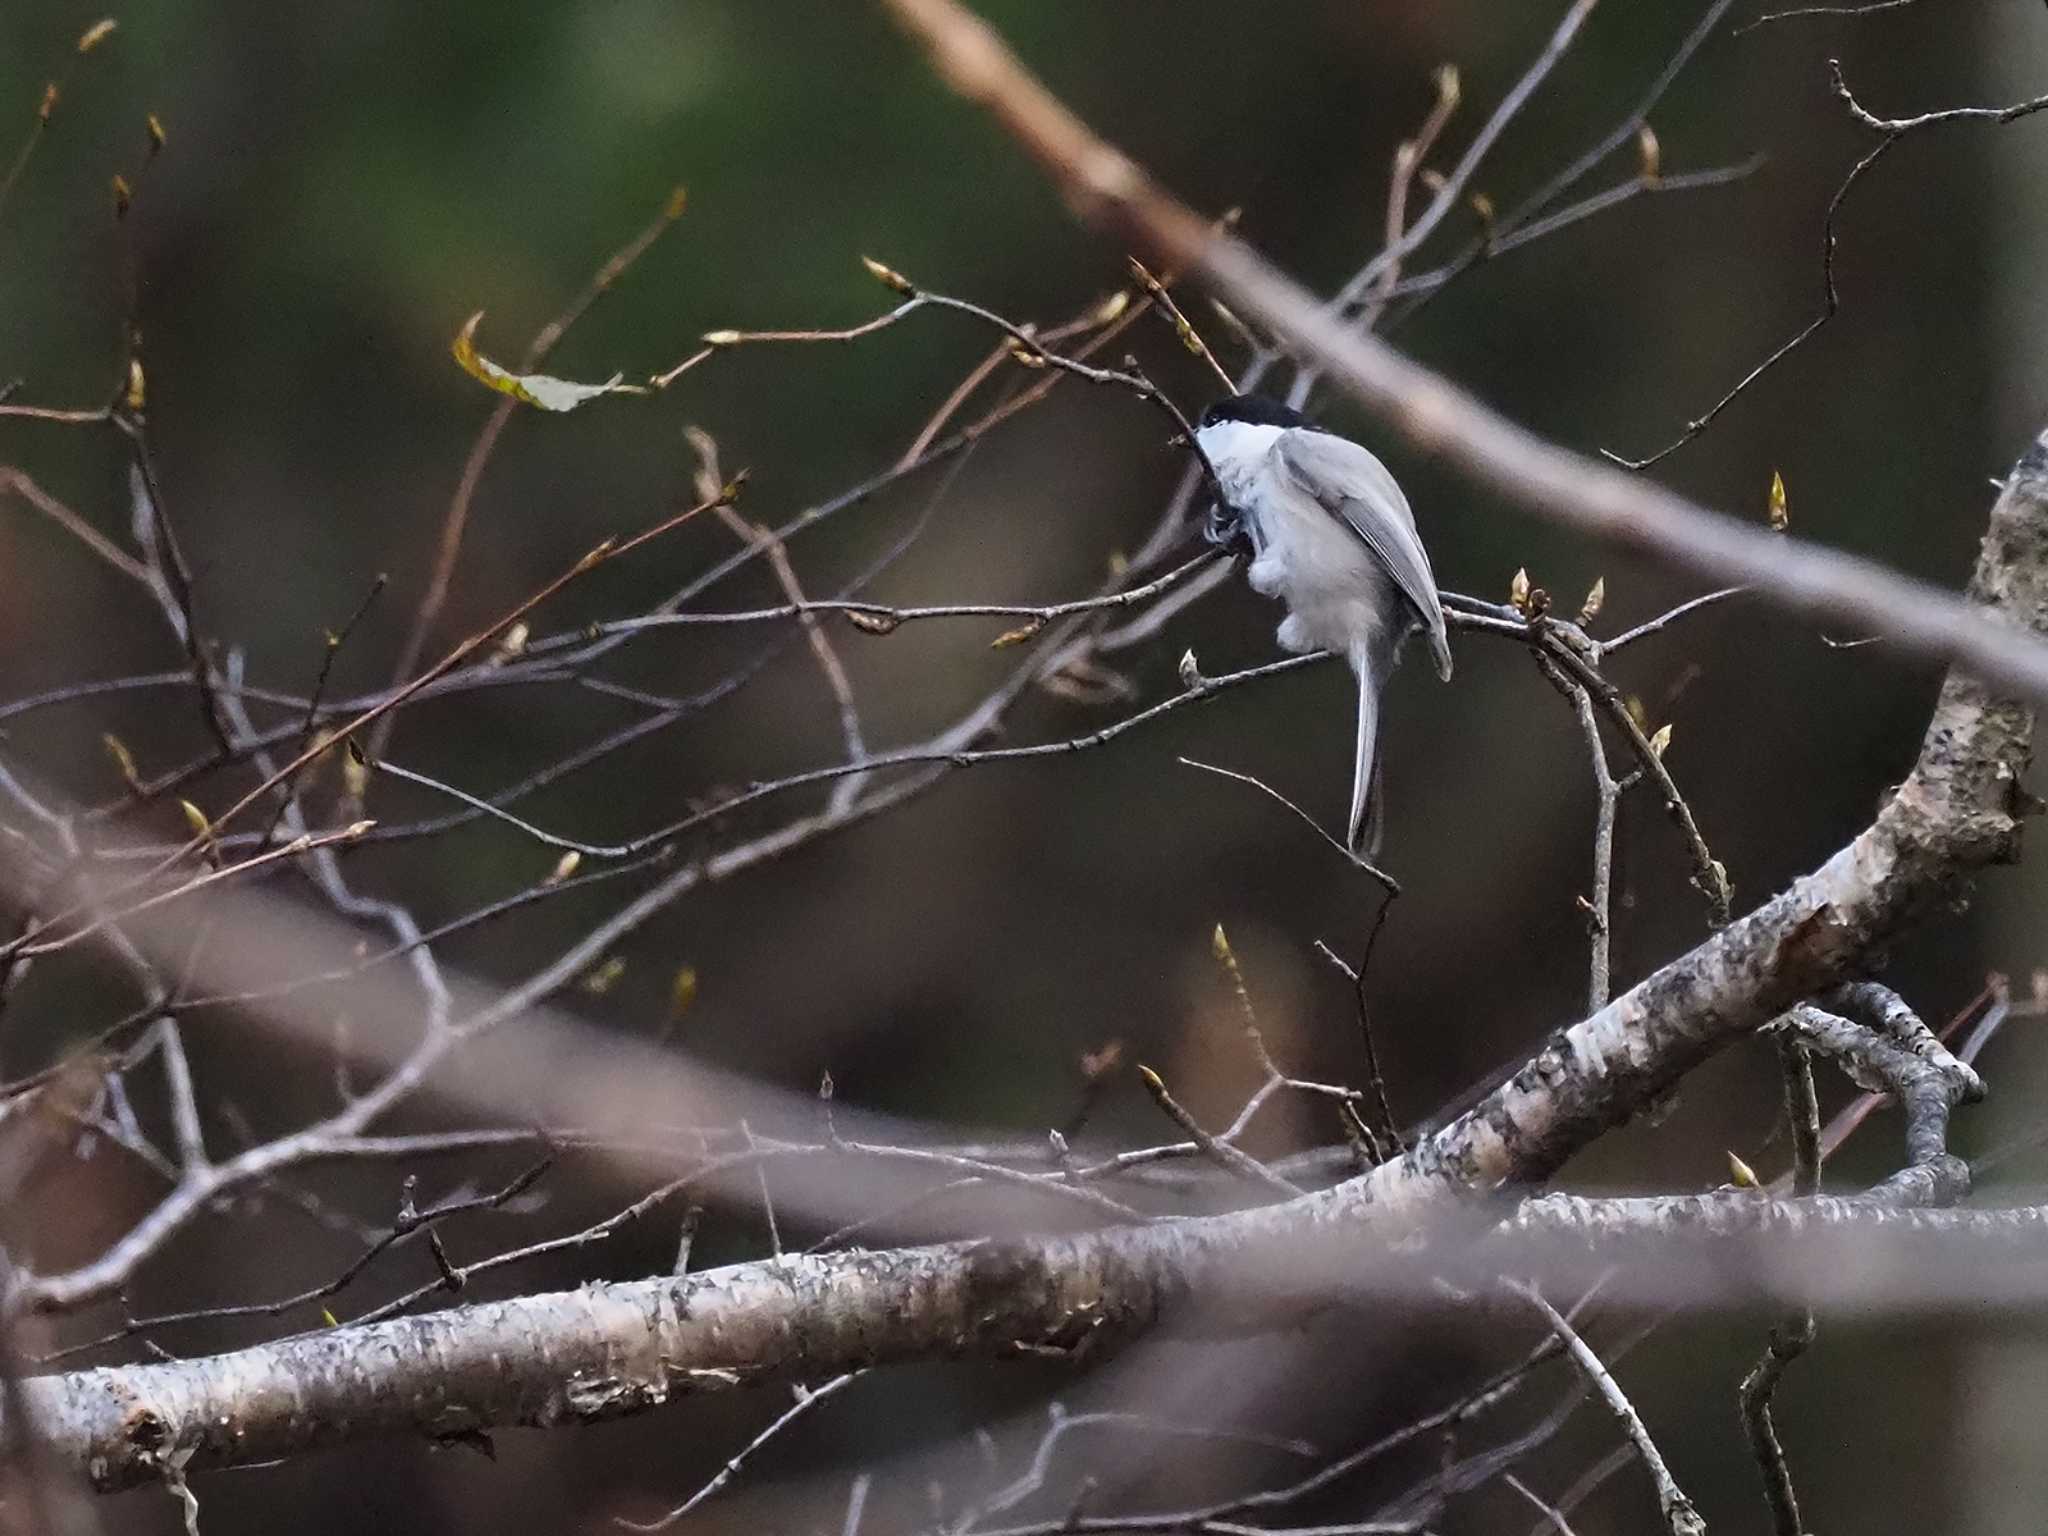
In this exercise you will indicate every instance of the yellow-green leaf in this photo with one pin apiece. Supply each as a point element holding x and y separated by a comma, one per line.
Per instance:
<point>541,389</point>
<point>1781,513</point>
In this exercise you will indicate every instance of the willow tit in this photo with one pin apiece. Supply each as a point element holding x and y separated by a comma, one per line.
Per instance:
<point>1330,535</point>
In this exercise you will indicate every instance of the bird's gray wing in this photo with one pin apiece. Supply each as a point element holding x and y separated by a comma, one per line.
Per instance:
<point>1319,463</point>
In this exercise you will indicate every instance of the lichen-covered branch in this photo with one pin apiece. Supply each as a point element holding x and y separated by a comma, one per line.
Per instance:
<point>613,1349</point>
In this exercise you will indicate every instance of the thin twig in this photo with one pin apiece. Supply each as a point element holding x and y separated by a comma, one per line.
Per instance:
<point>1106,187</point>
<point>1549,1512</point>
<point>455,520</point>
<point>807,1398</point>
<point>1891,130</point>
<point>1709,877</point>
<point>12,479</point>
<point>609,550</point>
<point>1221,1152</point>
<point>1391,885</point>
<point>1679,1514</point>
<point>1822,10</point>
<point>1454,184</point>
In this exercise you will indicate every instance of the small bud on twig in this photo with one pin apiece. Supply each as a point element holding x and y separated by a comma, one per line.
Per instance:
<point>195,818</point>
<point>889,277</point>
<point>872,623</point>
<point>1649,157</point>
<point>1589,610</point>
<point>605,976</point>
<point>124,761</point>
<point>682,991</point>
<point>1017,636</point>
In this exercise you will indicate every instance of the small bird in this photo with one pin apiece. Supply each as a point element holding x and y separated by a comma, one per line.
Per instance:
<point>1330,535</point>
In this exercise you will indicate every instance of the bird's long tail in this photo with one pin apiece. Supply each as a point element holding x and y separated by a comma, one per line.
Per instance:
<point>1366,819</point>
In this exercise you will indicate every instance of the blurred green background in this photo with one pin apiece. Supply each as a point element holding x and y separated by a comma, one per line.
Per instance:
<point>344,184</point>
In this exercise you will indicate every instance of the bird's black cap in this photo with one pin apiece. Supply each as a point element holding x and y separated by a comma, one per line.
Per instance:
<point>1259,410</point>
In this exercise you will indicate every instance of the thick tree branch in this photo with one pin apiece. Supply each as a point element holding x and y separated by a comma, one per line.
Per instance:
<point>613,1349</point>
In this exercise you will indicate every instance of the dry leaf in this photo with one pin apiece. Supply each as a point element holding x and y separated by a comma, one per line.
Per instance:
<point>541,389</point>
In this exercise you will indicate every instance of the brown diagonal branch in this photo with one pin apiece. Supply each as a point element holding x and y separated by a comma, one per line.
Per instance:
<point>1438,418</point>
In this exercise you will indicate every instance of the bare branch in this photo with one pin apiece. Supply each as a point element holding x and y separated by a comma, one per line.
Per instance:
<point>1679,1514</point>
<point>1444,421</point>
<point>807,1398</point>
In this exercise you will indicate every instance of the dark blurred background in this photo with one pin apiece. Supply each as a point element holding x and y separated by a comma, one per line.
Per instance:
<point>342,185</point>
